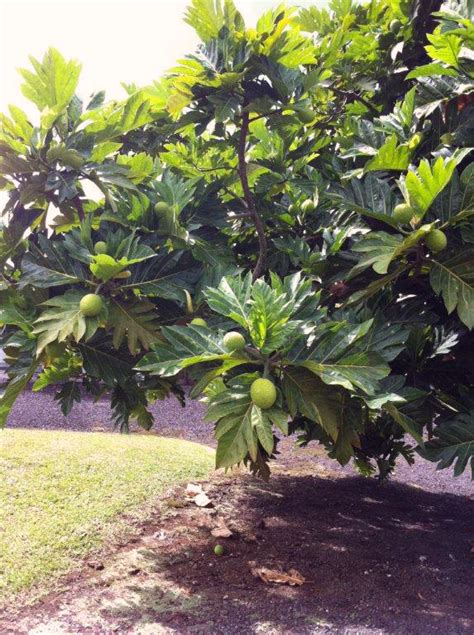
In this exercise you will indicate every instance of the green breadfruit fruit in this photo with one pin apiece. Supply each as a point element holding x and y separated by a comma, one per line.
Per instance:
<point>263,393</point>
<point>91,305</point>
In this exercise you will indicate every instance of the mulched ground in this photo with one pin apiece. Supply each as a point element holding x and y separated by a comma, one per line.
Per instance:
<point>394,558</point>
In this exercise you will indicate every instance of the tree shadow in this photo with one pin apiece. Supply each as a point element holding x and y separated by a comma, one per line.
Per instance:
<point>390,558</point>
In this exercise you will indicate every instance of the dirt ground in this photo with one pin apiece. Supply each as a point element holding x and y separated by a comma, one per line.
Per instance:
<point>393,558</point>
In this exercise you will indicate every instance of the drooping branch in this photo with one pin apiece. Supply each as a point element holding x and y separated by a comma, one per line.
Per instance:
<point>249,200</point>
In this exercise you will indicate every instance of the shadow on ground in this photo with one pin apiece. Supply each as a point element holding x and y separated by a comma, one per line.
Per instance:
<point>391,559</point>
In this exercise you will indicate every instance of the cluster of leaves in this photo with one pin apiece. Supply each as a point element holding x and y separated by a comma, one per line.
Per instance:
<point>258,185</point>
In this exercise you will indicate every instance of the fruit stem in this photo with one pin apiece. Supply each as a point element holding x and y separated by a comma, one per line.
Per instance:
<point>266,369</point>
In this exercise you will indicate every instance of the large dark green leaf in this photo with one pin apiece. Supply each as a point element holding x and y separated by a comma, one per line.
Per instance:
<point>51,264</point>
<point>162,277</point>
<point>453,279</point>
<point>453,442</point>
<point>232,298</point>
<point>380,249</point>
<point>241,426</point>
<point>309,396</point>
<point>335,362</point>
<point>102,362</point>
<point>137,321</point>
<point>63,319</point>
<point>14,387</point>
<point>371,196</point>
<point>186,346</point>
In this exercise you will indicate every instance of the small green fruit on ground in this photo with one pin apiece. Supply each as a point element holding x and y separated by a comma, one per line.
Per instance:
<point>305,115</point>
<point>199,322</point>
<point>162,208</point>
<point>307,206</point>
<point>219,550</point>
<point>395,26</point>
<point>436,240</point>
<point>100,247</point>
<point>233,341</point>
<point>91,305</point>
<point>402,213</point>
<point>263,393</point>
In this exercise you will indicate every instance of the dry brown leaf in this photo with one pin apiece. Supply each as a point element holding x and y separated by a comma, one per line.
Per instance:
<point>221,530</point>
<point>291,577</point>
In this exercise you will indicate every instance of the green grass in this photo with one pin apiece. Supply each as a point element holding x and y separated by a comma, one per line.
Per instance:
<point>62,494</point>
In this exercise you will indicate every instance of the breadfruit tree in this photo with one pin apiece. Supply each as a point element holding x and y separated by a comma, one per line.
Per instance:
<point>285,218</point>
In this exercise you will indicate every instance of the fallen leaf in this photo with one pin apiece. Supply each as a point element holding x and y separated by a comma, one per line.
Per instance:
<point>221,530</point>
<point>291,577</point>
<point>202,500</point>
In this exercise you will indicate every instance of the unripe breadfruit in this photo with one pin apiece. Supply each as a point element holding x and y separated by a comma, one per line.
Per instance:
<point>100,247</point>
<point>395,26</point>
<point>74,160</point>
<point>263,393</point>
<point>67,156</point>
<point>91,305</point>
<point>402,213</point>
<point>305,115</point>
<point>436,240</point>
<point>233,341</point>
<point>162,208</point>
<point>199,322</point>
<point>307,206</point>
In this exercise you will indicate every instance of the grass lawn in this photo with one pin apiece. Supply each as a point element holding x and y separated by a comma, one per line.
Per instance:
<point>61,494</point>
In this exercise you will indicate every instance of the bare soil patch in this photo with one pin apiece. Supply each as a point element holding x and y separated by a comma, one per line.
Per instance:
<point>376,559</point>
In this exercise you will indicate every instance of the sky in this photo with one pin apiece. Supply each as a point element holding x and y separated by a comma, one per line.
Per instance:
<point>115,40</point>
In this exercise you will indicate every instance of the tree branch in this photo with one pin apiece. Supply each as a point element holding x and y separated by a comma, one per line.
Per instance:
<point>76,201</point>
<point>234,195</point>
<point>267,114</point>
<point>355,97</point>
<point>249,201</point>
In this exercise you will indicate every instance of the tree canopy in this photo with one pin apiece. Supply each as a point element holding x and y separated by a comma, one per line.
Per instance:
<point>307,183</point>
